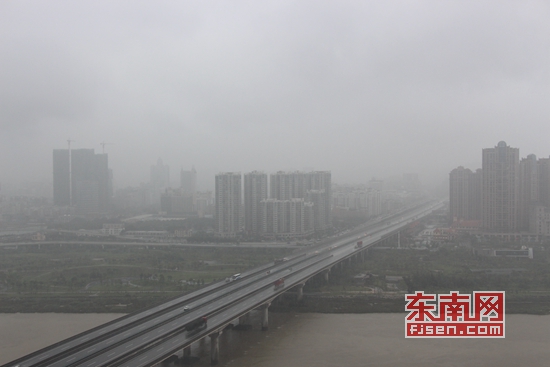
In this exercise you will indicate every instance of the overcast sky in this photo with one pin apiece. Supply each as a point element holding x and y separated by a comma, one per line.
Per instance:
<point>361,88</point>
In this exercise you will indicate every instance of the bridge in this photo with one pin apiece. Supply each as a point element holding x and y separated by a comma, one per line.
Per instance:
<point>148,337</point>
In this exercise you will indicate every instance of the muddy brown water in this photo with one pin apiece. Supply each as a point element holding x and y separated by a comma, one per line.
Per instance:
<point>296,340</point>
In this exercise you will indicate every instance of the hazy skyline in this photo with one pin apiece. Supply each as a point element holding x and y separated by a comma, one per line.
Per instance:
<point>359,88</point>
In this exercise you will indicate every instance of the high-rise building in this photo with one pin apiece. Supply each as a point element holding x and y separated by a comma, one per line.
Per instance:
<point>188,180</point>
<point>295,185</point>
<point>85,185</point>
<point>465,194</point>
<point>376,184</point>
<point>287,185</point>
<point>61,178</point>
<point>204,203</point>
<point>319,200</point>
<point>160,181</point>
<point>255,190</point>
<point>529,179</point>
<point>160,175</point>
<point>177,202</point>
<point>500,167</point>
<point>287,219</point>
<point>540,220</point>
<point>374,203</point>
<point>228,204</point>
<point>544,181</point>
<point>321,181</point>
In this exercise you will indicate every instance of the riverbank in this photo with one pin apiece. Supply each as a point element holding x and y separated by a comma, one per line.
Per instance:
<point>375,303</point>
<point>312,303</point>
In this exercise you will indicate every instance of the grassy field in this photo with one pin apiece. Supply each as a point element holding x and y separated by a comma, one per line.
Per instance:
<point>96,278</point>
<point>450,267</point>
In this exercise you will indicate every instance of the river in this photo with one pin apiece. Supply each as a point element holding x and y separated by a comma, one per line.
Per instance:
<point>296,340</point>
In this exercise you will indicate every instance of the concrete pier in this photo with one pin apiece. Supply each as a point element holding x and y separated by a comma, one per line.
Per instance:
<point>325,274</point>
<point>265,316</point>
<point>187,352</point>
<point>300,291</point>
<point>398,239</point>
<point>214,348</point>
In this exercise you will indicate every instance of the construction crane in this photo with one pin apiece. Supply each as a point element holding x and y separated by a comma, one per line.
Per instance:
<point>103,146</point>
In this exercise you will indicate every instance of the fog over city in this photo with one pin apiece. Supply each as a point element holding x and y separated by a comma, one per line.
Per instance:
<point>359,88</point>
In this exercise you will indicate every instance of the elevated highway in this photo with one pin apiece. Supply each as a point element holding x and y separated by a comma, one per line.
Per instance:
<point>148,337</point>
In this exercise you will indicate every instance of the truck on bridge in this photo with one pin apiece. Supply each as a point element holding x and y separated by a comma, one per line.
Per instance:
<point>196,324</point>
<point>279,283</point>
<point>359,244</point>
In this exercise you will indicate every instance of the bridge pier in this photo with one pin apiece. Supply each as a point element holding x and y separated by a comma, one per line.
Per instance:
<point>265,316</point>
<point>214,348</point>
<point>398,239</point>
<point>325,274</point>
<point>300,289</point>
<point>186,352</point>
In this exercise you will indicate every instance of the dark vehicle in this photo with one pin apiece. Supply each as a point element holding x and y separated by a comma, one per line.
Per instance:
<point>359,244</point>
<point>279,283</point>
<point>196,324</point>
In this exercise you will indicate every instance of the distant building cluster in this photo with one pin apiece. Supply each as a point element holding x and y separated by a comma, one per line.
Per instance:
<point>159,196</point>
<point>366,201</point>
<point>507,195</point>
<point>376,197</point>
<point>296,205</point>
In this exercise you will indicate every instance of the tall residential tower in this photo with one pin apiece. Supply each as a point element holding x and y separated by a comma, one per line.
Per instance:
<point>85,184</point>
<point>500,167</point>
<point>255,190</point>
<point>228,204</point>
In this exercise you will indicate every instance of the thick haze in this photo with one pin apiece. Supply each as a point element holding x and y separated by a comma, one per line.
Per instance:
<point>363,88</point>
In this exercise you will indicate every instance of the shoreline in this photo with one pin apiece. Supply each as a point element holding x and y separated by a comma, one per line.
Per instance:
<point>311,303</point>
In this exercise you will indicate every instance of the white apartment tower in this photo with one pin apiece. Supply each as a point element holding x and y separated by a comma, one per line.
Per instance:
<point>286,218</point>
<point>255,190</point>
<point>297,185</point>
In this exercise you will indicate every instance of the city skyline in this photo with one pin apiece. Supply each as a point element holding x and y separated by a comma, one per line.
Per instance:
<point>507,195</point>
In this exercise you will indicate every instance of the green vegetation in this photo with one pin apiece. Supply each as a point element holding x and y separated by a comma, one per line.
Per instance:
<point>97,278</point>
<point>449,267</point>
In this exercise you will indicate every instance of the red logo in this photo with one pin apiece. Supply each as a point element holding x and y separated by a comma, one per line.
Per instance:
<point>455,315</point>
